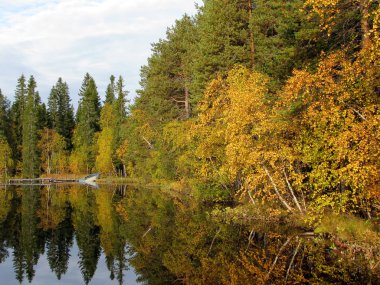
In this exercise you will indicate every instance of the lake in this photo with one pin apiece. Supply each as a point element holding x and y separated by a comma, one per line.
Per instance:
<point>73,234</point>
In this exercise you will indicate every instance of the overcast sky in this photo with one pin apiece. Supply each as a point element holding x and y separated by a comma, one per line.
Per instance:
<point>67,38</point>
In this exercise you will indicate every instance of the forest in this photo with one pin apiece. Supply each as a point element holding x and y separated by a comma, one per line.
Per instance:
<point>272,102</point>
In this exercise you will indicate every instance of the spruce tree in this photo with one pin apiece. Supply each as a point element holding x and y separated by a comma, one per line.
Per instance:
<point>30,120</point>
<point>17,111</point>
<point>5,124</point>
<point>60,111</point>
<point>5,137</point>
<point>41,112</point>
<point>110,93</point>
<point>88,112</point>
<point>87,123</point>
<point>121,100</point>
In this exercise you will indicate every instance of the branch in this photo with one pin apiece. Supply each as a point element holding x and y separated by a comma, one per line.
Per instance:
<point>292,192</point>
<point>217,171</point>
<point>213,240</point>
<point>303,201</point>
<point>356,111</point>
<point>277,256</point>
<point>178,101</point>
<point>250,237</point>
<point>149,229</point>
<point>359,114</point>
<point>276,190</point>
<point>149,144</point>
<point>292,260</point>
<point>250,196</point>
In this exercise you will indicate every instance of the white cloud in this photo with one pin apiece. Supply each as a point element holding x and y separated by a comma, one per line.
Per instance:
<point>67,38</point>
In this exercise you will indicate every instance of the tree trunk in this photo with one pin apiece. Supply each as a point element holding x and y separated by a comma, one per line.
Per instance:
<point>364,23</point>
<point>292,192</point>
<point>48,170</point>
<point>283,201</point>
<point>124,171</point>
<point>187,103</point>
<point>6,167</point>
<point>251,38</point>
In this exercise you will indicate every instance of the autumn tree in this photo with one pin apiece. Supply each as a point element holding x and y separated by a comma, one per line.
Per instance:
<point>335,111</point>
<point>342,18</point>
<point>6,158</point>
<point>52,147</point>
<point>105,142</point>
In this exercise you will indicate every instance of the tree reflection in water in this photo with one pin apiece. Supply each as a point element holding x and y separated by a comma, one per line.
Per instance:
<point>166,241</point>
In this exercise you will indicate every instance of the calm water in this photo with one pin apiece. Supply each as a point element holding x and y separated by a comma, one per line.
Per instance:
<point>124,235</point>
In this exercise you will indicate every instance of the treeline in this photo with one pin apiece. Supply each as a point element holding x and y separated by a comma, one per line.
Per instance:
<point>37,139</point>
<point>271,100</point>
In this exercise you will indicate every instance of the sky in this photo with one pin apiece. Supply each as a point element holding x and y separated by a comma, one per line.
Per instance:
<point>67,38</point>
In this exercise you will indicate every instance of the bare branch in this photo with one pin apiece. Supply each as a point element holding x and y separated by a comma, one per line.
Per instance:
<point>178,101</point>
<point>149,144</point>
<point>292,192</point>
<point>276,190</point>
<point>277,256</point>
<point>250,196</point>
<point>292,260</point>
<point>149,229</point>
<point>213,240</point>
<point>250,237</point>
<point>359,114</point>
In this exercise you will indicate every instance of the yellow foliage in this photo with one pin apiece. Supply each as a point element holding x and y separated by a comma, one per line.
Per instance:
<point>6,158</point>
<point>5,204</point>
<point>53,154</point>
<point>104,162</point>
<point>78,161</point>
<point>336,115</point>
<point>209,131</point>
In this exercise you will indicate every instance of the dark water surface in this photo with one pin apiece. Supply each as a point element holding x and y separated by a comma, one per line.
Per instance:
<point>124,235</point>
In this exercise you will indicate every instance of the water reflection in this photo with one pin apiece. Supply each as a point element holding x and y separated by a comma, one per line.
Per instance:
<point>36,221</point>
<point>164,241</point>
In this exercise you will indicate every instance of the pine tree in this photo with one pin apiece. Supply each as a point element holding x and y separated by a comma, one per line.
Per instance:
<point>30,156</point>
<point>275,27</point>
<point>223,41</point>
